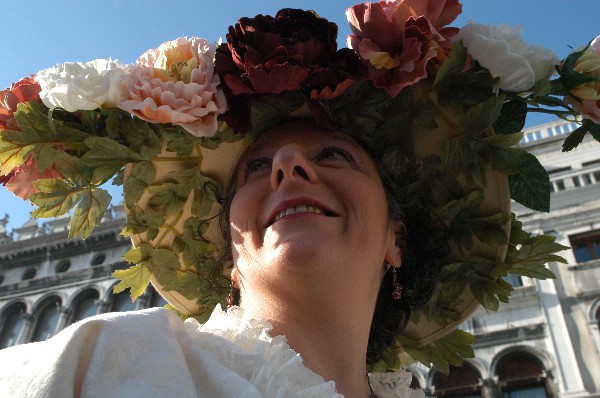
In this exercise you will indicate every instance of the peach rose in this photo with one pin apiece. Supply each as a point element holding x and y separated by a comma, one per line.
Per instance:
<point>176,84</point>
<point>585,98</point>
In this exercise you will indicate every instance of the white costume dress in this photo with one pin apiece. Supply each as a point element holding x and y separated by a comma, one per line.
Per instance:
<point>153,353</point>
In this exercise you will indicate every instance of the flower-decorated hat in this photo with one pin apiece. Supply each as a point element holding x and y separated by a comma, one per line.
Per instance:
<point>440,108</point>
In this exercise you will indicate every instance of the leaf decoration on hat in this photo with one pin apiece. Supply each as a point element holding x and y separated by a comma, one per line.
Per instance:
<point>444,352</point>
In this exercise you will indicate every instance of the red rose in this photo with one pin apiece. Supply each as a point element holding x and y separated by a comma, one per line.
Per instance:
<point>20,180</point>
<point>26,89</point>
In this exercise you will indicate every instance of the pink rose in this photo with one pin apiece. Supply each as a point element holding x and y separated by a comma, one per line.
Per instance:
<point>176,84</point>
<point>398,39</point>
<point>585,98</point>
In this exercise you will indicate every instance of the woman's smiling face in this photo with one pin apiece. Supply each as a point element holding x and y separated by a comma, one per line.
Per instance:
<point>308,195</point>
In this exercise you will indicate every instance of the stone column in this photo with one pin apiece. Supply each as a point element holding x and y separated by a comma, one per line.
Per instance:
<point>490,389</point>
<point>103,306</point>
<point>25,332</point>
<point>63,318</point>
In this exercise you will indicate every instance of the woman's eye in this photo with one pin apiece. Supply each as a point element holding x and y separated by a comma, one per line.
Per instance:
<point>256,165</point>
<point>334,153</point>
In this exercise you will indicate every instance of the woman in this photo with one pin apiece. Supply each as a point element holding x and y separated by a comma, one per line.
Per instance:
<point>312,236</point>
<point>367,215</point>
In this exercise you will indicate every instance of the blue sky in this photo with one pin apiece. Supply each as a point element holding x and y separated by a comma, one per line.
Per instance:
<point>35,34</point>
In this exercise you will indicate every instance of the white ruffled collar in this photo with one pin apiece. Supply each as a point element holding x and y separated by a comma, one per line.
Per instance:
<point>271,365</point>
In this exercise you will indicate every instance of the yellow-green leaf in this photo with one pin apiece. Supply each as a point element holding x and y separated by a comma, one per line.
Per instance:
<point>135,278</point>
<point>55,197</point>
<point>89,212</point>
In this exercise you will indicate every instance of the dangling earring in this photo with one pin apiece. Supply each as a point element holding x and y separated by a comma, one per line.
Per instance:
<point>230,296</point>
<point>397,292</point>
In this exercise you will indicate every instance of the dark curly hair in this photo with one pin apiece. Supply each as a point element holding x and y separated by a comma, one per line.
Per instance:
<point>417,275</point>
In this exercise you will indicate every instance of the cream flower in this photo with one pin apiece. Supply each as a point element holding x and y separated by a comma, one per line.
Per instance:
<point>176,84</point>
<point>516,64</point>
<point>76,86</point>
<point>587,101</point>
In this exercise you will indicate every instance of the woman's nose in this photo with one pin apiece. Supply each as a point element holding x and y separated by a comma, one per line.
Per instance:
<point>291,163</point>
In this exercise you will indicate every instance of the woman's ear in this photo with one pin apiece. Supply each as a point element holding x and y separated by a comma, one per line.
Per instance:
<point>235,277</point>
<point>395,243</point>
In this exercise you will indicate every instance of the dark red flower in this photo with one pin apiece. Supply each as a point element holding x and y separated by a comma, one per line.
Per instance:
<point>295,50</point>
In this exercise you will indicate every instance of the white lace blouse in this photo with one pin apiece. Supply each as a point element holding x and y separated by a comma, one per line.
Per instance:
<point>152,353</point>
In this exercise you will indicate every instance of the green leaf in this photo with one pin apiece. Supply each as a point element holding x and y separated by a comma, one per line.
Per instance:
<point>169,196</point>
<point>460,156</point>
<point>182,145</point>
<point>107,157</point>
<point>141,138</point>
<point>532,257</point>
<point>463,223</point>
<point>512,117</point>
<point>499,152</point>
<point>455,346</point>
<point>482,115</point>
<point>54,198</point>
<point>593,128</point>
<point>39,125</point>
<point>453,65</point>
<point>12,155</point>
<point>195,248</point>
<point>356,110</point>
<point>135,278</point>
<point>45,157</point>
<point>531,185</point>
<point>574,138</point>
<point>72,169</point>
<point>139,221</point>
<point>163,264</point>
<point>141,176</point>
<point>569,77</point>
<point>136,255</point>
<point>270,110</point>
<point>89,212</point>
<point>448,350</point>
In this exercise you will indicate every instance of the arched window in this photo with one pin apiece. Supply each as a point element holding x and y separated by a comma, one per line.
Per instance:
<point>11,324</point>
<point>46,321</point>
<point>122,302</point>
<point>462,381</point>
<point>520,374</point>
<point>62,266</point>
<point>1,279</point>
<point>98,259</point>
<point>598,317</point>
<point>29,274</point>
<point>86,306</point>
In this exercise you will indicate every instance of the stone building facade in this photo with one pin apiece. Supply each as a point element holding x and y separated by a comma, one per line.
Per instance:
<point>545,343</point>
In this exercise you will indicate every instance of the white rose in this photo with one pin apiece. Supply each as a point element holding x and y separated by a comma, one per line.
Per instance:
<point>516,64</point>
<point>77,86</point>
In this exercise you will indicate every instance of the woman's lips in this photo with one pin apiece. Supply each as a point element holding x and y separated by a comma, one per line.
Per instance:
<point>296,206</point>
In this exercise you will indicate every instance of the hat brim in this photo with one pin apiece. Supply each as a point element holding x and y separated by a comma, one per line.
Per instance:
<point>219,165</point>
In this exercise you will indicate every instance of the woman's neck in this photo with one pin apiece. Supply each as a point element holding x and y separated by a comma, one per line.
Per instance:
<point>330,334</point>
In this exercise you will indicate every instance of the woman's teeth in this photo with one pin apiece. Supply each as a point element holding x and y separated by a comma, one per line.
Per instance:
<point>298,209</point>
